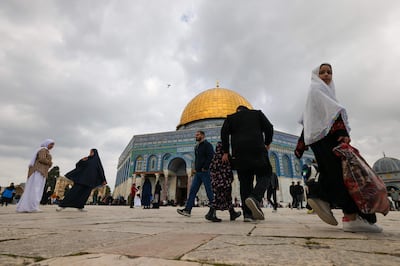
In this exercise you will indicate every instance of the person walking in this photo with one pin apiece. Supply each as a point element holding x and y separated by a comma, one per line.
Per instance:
<point>37,175</point>
<point>204,153</point>
<point>249,134</point>
<point>221,182</point>
<point>293,195</point>
<point>8,194</point>
<point>137,200</point>
<point>146,193</point>
<point>299,194</point>
<point>133,194</point>
<point>273,186</point>
<point>325,126</point>
<point>87,175</point>
<point>157,195</point>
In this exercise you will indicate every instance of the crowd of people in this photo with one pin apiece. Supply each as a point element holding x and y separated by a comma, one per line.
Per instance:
<point>246,136</point>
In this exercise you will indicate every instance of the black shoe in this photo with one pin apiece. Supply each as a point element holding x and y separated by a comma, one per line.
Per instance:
<point>253,205</point>
<point>212,216</point>
<point>183,212</point>
<point>233,214</point>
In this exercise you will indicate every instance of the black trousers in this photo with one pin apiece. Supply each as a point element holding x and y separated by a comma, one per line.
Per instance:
<point>246,179</point>
<point>271,192</point>
<point>331,186</point>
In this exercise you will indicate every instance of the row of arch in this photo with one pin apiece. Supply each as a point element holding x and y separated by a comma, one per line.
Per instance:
<point>284,165</point>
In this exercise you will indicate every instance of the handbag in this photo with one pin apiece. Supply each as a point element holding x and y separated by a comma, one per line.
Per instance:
<point>364,186</point>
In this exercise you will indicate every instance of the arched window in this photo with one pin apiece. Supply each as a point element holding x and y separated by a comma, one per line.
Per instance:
<point>139,164</point>
<point>287,169</point>
<point>297,167</point>
<point>273,158</point>
<point>152,163</point>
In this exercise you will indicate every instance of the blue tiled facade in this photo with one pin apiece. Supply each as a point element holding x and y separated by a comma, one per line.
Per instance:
<point>168,156</point>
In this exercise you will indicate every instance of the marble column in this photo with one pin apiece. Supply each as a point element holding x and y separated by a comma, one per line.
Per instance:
<point>189,173</point>
<point>164,193</point>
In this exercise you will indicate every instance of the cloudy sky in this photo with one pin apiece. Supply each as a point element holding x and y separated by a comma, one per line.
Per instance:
<point>95,73</point>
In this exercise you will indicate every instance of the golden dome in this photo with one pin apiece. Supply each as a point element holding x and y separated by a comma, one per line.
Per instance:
<point>212,103</point>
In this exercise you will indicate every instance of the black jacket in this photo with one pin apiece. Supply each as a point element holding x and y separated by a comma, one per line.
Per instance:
<point>250,131</point>
<point>204,153</point>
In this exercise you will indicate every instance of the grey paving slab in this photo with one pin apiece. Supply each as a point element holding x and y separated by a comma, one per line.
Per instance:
<point>114,260</point>
<point>164,245</point>
<point>118,235</point>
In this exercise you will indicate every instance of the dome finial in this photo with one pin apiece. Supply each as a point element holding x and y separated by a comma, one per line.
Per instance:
<point>217,84</point>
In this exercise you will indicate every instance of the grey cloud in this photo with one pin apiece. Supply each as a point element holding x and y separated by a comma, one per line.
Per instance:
<point>95,74</point>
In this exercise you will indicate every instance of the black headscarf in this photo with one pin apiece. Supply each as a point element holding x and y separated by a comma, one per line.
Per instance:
<point>88,172</point>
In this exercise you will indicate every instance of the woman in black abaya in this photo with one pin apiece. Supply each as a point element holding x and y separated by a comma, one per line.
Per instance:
<point>88,174</point>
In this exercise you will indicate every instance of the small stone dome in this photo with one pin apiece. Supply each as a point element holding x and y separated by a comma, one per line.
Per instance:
<point>387,165</point>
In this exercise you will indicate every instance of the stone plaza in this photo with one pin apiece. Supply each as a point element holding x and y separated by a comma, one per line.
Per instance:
<point>118,235</point>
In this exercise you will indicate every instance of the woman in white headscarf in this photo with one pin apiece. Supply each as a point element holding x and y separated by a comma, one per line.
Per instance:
<point>37,175</point>
<point>325,126</point>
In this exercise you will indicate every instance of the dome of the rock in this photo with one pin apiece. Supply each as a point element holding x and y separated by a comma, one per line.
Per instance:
<point>214,103</point>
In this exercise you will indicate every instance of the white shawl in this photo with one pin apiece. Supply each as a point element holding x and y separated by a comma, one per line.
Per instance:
<point>43,145</point>
<point>321,111</point>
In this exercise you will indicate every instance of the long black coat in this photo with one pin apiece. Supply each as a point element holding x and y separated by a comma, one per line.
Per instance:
<point>250,131</point>
<point>88,172</point>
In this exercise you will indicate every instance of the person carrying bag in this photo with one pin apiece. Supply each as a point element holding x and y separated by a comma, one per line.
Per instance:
<point>364,185</point>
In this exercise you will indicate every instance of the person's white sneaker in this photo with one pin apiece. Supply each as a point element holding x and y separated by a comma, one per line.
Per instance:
<point>323,209</point>
<point>360,225</point>
<point>59,208</point>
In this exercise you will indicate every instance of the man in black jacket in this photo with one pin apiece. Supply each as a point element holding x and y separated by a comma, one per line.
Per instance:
<point>204,153</point>
<point>250,135</point>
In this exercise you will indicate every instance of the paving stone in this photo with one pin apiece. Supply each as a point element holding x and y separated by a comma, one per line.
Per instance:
<point>118,235</point>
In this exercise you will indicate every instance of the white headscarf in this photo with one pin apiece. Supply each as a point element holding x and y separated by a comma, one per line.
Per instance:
<point>44,144</point>
<point>322,109</point>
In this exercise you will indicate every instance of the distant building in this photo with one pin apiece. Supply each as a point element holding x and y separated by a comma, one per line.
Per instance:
<point>389,170</point>
<point>169,156</point>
